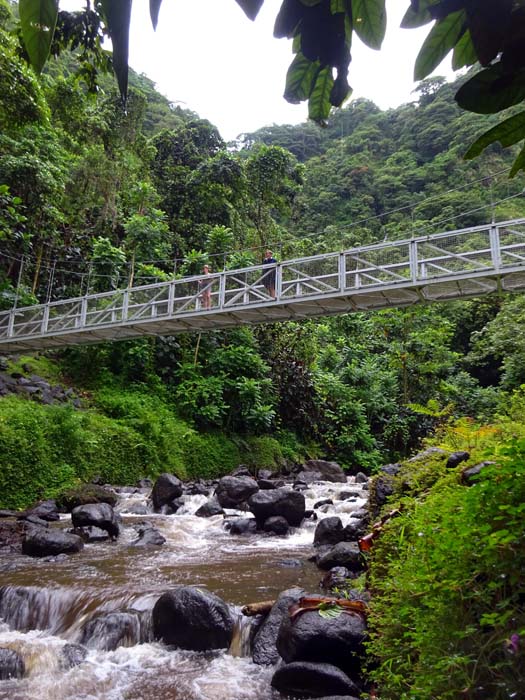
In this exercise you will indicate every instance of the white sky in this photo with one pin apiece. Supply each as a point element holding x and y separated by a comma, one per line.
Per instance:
<point>211,58</point>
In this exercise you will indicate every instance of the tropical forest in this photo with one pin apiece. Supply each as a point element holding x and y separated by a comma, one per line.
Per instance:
<point>319,505</point>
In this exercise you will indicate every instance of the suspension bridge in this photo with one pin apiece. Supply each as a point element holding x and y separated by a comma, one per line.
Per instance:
<point>451,265</point>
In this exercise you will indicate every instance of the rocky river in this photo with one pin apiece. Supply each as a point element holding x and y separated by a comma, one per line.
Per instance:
<point>51,606</point>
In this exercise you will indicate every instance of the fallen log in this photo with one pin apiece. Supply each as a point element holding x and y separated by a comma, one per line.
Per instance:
<point>262,608</point>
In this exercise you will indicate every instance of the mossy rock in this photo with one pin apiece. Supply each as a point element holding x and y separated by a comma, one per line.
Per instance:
<point>82,495</point>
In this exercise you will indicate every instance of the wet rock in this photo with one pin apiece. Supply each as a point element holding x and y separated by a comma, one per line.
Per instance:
<point>330,471</point>
<point>276,525</point>
<point>243,526</point>
<point>91,533</point>
<point>166,489</point>
<point>264,648</point>
<point>40,542</point>
<point>456,458</point>
<point>72,655</point>
<point>138,509</point>
<point>284,502</point>
<point>337,577</point>
<point>324,502</point>
<point>312,680</point>
<point>191,618</point>
<point>99,515</point>
<point>361,478</point>
<point>269,483</point>
<point>11,664</point>
<point>88,493</point>
<point>468,476</point>
<point>198,488</point>
<point>300,486</point>
<point>355,529</point>
<point>391,469</point>
<point>173,506</point>
<point>111,630</point>
<point>9,513</point>
<point>46,510</point>
<point>328,531</point>
<point>336,640</point>
<point>265,474</point>
<point>210,508</point>
<point>145,484</point>
<point>233,490</point>
<point>311,514</point>
<point>345,554</point>
<point>149,536</point>
<point>12,533</point>
<point>308,478</point>
<point>34,520</point>
<point>345,495</point>
<point>242,470</point>
<point>361,514</point>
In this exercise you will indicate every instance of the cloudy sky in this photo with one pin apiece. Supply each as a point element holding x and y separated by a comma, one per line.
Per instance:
<point>211,58</point>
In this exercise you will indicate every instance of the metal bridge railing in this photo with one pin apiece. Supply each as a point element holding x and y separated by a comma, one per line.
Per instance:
<point>463,254</point>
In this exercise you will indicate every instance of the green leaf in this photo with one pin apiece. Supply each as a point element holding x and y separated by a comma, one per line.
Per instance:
<point>416,18</point>
<point>319,103</point>
<point>154,7</point>
<point>300,79</point>
<point>519,163</point>
<point>337,6</point>
<point>507,132</point>
<point>369,21</point>
<point>118,14</point>
<point>492,90</point>
<point>464,52</point>
<point>251,7</point>
<point>38,20</point>
<point>329,610</point>
<point>441,39</point>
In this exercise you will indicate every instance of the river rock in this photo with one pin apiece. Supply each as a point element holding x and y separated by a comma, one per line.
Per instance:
<point>312,680</point>
<point>40,542</point>
<point>173,506</point>
<point>286,502</point>
<point>45,510</point>
<point>456,458</point>
<point>72,655</point>
<point>355,529</point>
<point>276,525</point>
<point>361,478</point>
<point>264,648</point>
<point>233,490</point>
<point>307,478</point>
<point>197,488</point>
<point>166,488</point>
<point>149,536</point>
<point>345,554</point>
<point>330,471</point>
<point>35,520</point>
<point>87,493</point>
<point>111,630</point>
<point>209,509</point>
<point>11,664</point>
<point>270,483</point>
<point>191,618</point>
<point>328,531</point>
<point>12,534</point>
<point>324,502</point>
<point>90,533</point>
<point>99,515</point>
<point>337,577</point>
<point>243,526</point>
<point>335,640</point>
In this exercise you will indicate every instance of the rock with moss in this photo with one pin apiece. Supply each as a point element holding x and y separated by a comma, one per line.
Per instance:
<point>87,493</point>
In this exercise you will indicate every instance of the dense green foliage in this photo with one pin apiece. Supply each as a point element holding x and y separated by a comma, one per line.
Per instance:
<point>448,612</point>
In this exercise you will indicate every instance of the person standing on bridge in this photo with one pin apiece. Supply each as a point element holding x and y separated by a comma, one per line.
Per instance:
<point>205,289</point>
<point>269,278</point>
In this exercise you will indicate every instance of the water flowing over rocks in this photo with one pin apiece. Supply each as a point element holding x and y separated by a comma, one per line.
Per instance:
<point>209,509</point>
<point>111,630</point>
<point>11,664</point>
<point>190,618</point>
<point>148,536</point>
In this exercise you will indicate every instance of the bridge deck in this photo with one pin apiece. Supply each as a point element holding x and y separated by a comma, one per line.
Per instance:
<point>452,265</point>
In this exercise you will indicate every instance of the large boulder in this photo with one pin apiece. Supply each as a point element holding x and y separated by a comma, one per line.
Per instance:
<point>312,680</point>
<point>345,554</point>
<point>111,630</point>
<point>45,510</point>
<point>329,531</point>
<point>99,515</point>
<point>264,648</point>
<point>11,664</point>
<point>286,502</point>
<point>167,488</point>
<point>233,490</point>
<point>330,471</point>
<point>191,618</point>
<point>87,493</point>
<point>336,640</point>
<point>41,542</point>
<point>276,525</point>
